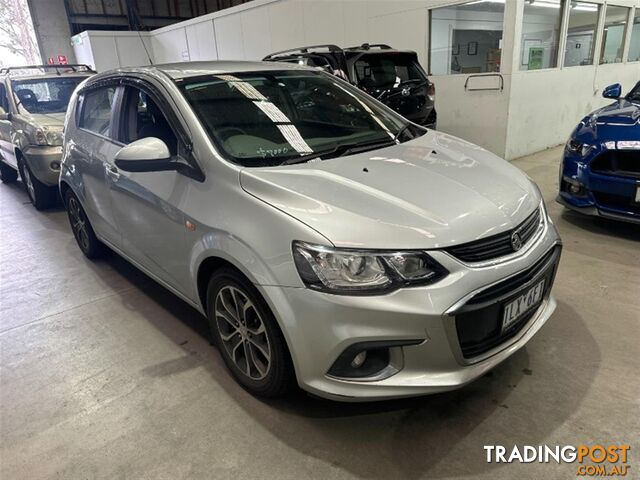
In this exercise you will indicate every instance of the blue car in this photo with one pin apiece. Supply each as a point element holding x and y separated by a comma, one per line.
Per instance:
<point>600,170</point>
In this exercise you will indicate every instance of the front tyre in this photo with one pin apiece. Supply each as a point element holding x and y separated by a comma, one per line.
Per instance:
<point>81,227</point>
<point>247,335</point>
<point>42,196</point>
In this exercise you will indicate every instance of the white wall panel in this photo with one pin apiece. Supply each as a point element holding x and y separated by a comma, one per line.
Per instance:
<point>403,30</point>
<point>228,32</point>
<point>546,105</point>
<point>323,22</point>
<point>286,20</point>
<point>82,49</point>
<point>105,55</point>
<point>354,23</point>
<point>202,41</point>
<point>131,51</point>
<point>256,33</point>
<point>170,46</point>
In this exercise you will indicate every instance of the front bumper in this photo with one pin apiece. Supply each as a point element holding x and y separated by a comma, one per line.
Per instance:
<point>601,195</point>
<point>319,327</point>
<point>42,161</point>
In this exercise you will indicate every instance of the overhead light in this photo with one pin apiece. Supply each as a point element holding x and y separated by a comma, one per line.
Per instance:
<point>545,3</point>
<point>584,7</point>
<point>476,2</point>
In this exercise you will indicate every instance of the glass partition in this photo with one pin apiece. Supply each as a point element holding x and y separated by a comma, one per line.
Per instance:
<point>581,34</point>
<point>615,28</point>
<point>634,46</point>
<point>540,34</point>
<point>466,38</point>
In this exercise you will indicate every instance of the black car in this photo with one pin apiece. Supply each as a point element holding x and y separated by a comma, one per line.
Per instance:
<point>394,77</point>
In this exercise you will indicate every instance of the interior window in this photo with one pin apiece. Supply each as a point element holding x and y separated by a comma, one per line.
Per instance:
<point>540,34</point>
<point>142,118</point>
<point>634,46</point>
<point>615,29</point>
<point>96,110</point>
<point>466,38</point>
<point>581,34</point>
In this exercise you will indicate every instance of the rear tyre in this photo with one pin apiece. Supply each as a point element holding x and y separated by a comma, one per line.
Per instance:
<point>42,196</point>
<point>247,335</point>
<point>82,229</point>
<point>7,174</point>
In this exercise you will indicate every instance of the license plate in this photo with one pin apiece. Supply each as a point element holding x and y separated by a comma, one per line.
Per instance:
<point>638,194</point>
<point>516,309</point>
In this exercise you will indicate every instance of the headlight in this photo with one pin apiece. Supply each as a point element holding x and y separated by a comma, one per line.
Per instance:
<point>49,136</point>
<point>578,148</point>
<point>346,271</point>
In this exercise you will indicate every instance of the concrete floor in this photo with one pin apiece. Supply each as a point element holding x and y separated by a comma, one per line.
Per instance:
<point>104,374</point>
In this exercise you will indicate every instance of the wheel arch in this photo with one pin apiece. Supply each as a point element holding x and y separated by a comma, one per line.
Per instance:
<point>64,188</point>
<point>212,263</point>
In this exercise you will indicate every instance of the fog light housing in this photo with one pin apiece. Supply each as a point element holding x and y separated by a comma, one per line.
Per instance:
<point>573,187</point>
<point>369,361</point>
<point>55,165</point>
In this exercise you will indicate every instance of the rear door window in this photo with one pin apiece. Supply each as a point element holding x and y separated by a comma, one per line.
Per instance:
<point>4,102</point>
<point>142,117</point>
<point>96,110</point>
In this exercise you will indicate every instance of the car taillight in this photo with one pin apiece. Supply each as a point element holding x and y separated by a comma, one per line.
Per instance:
<point>431,91</point>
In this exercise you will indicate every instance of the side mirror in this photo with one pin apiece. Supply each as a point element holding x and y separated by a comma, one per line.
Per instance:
<point>4,115</point>
<point>145,155</point>
<point>613,91</point>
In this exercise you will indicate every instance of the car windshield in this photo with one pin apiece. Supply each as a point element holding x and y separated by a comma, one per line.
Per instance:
<point>44,95</point>
<point>270,118</point>
<point>387,70</point>
<point>634,95</point>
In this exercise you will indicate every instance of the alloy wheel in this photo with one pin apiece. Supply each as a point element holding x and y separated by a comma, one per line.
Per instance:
<point>26,176</point>
<point>242,332</point>
<point>78,223</point>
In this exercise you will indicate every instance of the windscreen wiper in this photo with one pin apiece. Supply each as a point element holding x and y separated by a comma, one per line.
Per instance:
<point>341,150</point>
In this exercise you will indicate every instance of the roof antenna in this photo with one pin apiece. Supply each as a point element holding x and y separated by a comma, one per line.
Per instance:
<point>145,48</point>
<point>135,21</point>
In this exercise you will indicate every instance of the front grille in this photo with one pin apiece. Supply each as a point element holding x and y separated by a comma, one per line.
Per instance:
<point>479,321</point>
<point>621,163</point>
<point>497,245</point>
<point>617,202</point>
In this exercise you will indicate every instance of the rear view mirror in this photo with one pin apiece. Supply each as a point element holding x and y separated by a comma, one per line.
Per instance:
<point>613,91</point>
<point>145,155</point>
<point>3,114</point>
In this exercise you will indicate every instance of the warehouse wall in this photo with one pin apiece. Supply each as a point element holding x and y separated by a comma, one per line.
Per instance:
<point>534,109</point>
<point>546,105</point>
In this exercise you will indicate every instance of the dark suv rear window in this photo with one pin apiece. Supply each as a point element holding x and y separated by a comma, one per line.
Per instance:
<point>387,70</point>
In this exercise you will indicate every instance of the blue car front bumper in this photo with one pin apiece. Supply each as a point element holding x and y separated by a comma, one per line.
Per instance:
<point>589,185</point>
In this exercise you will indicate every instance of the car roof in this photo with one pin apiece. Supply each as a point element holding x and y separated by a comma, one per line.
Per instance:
<point>195,69</point>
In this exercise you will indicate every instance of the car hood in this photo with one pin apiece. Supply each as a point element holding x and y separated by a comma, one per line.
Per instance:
<point>617,121</point>
<point>47,119</point>
<point>621,112</point>
<point>431,192</point>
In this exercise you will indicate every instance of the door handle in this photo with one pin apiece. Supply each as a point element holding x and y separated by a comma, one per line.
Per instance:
<point>113,172</point>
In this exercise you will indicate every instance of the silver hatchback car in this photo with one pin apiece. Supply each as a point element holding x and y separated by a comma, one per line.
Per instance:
<point>328,241</point>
